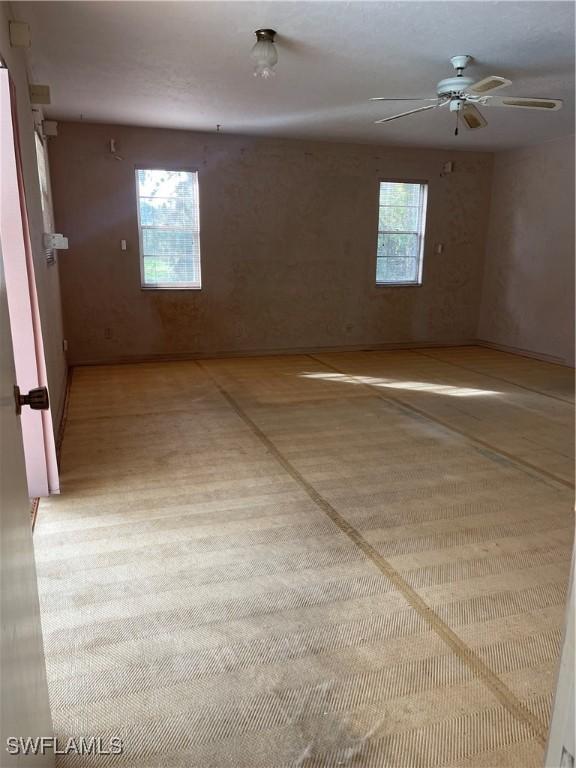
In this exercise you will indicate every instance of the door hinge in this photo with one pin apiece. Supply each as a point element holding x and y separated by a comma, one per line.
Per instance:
<point>37,399</point>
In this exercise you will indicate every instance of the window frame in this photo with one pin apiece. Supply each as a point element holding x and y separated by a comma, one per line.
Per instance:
<point>421,235</point>
<point>165,286</point>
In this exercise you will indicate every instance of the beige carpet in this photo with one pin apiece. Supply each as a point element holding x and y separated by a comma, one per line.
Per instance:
<point>350,559</point>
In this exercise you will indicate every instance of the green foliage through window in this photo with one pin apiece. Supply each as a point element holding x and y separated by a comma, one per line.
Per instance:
<point>401,222</point>
<point>168,217</point>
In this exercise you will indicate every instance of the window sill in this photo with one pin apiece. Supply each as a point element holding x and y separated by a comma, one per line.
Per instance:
<point>398,285</point>
<point>170,287</point>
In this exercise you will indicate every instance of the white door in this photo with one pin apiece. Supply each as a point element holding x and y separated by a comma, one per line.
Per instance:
<point>24,707</point>
<point>28,347</point>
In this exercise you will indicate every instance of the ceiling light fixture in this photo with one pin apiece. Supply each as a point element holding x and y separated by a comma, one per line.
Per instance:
<point>264,53</point>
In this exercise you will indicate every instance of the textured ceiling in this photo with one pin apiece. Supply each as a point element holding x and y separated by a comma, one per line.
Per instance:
<point>187,65</point>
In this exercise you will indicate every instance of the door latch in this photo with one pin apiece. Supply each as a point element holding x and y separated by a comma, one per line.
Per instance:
<point>37,399</point>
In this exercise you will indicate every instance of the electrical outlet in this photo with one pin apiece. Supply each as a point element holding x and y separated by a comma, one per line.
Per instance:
<point>107,333</point>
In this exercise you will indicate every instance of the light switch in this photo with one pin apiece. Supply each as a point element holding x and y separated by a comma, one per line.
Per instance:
<point>439,248</point>
<point>123,245</point>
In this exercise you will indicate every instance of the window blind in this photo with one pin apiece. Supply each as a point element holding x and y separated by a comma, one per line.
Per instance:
<point>169,226</point>
<point>45,195</point>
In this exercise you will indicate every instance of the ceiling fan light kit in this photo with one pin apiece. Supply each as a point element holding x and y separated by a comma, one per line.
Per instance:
<point>462,95</point>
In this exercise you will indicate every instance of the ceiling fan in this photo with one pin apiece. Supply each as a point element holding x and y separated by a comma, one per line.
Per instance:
<point>462,95</point>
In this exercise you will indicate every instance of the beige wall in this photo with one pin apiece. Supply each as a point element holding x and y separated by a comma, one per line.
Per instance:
<point>528,287</point>
<point>288,245</point>
<point>47,280</point>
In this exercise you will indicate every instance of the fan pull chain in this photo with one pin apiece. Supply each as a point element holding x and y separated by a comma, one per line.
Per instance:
<point>457,116</point>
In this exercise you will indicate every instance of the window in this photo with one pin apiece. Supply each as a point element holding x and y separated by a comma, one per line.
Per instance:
<point>169,226</point>
<point>401,222</point>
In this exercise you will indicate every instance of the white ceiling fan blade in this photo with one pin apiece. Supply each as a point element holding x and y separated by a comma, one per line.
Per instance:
<point>404,98</point>
<point>472,117</point>
<point>523,102</point>
<point>410,112</point>
<point>488,85</point>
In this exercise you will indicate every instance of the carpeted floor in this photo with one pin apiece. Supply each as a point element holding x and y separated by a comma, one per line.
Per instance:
<point>346,559</point>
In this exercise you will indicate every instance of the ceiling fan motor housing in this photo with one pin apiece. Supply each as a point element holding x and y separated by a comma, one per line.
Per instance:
<point>453,86</point>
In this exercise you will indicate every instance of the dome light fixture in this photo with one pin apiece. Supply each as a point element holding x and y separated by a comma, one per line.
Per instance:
<point>264,53</point>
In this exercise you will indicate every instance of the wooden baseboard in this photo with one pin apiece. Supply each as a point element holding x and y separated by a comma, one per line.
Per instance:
<point>35,501</point>
<point>175,357</point>
<point>524,353</point>
<point>399,345</point>
<point>63,414</point>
